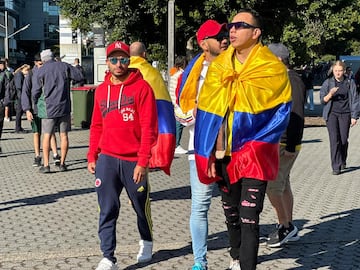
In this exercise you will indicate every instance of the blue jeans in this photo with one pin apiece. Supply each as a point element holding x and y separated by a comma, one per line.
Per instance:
<point>201,195</point>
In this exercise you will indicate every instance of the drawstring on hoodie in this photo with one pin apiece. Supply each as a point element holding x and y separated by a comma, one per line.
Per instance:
<point>119,99</point>
<point>120,96</point>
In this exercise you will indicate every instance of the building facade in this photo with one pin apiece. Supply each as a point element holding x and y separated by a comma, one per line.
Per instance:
<point>43,31</point>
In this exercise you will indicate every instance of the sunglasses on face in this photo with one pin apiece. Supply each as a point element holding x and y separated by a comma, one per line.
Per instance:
<point>122,60</point>
<point>219,37</point>
<point>240,25</point>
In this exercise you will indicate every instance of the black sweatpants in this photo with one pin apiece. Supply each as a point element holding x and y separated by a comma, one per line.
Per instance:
<point>2,115</point>
<point>19,113</point>
<point>338,125</point>
<point>112,175</point>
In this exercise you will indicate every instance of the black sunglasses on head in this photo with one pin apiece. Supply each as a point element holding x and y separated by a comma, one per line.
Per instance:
<point>240,25</point>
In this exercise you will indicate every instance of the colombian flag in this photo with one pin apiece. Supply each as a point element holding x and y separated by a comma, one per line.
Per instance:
<point>188,86</point>
<point>250,105</point>
<point>162,154</point>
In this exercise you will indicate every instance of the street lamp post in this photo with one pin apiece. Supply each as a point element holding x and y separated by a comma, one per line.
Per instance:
<point>7,36</point>
<point>171,35</point>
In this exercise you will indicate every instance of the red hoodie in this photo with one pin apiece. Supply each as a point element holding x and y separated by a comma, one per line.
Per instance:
<point>124,121</point>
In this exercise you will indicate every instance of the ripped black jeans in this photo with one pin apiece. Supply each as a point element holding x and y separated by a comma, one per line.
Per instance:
<point>242,203</point>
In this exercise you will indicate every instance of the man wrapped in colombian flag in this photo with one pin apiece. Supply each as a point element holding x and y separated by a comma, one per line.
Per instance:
<point>242,110</point>
<point>255,102</point>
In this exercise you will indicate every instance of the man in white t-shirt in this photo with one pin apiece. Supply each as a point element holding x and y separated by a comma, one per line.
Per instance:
<point>212,39</point>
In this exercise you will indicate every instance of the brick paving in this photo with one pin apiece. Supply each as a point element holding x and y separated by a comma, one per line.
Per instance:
<point>50,221</point>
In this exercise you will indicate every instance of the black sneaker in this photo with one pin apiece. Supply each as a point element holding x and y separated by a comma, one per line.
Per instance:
<point>57,160</point>
<point>294,238</point>
<point>62,168</point>
<point>281,236</point>
<point>44,169</point>
<point>37,162</point>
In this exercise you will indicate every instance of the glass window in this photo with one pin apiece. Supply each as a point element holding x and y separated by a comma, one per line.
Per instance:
<point>51,8</point>
<point>9,4</point>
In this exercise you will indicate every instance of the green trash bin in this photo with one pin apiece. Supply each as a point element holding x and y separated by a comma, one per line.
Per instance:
<point>83,103</point>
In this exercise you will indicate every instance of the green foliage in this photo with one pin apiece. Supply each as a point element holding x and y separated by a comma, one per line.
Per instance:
<point>327,58</point>
<point>311,29</point>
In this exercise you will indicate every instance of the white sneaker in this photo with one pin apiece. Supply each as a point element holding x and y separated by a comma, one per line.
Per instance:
<point>145,251</point>
<point>7,119</point>
<point>106,264</point>
<point>180,150</point>
<point>234,265</point>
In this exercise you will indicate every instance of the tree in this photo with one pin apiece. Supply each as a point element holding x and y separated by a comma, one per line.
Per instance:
<point>310,29</point>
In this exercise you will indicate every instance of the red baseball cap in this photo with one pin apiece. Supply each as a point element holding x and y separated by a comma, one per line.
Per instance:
<point>117,46</point>
<point>209,28</point>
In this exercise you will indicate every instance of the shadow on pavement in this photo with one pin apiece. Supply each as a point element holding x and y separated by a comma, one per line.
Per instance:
<point>45,199</point>
<point>215,242</point>
<point>15,153</point>
<point>180,193</point>
<point>324,244</point>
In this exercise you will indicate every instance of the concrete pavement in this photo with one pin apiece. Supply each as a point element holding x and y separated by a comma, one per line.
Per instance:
<point>50,221</point>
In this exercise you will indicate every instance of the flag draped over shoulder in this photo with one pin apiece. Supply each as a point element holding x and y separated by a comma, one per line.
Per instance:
<point>162,154</point>
<point>187,91</point>
<point>254,103</point>
<point>188,86</point>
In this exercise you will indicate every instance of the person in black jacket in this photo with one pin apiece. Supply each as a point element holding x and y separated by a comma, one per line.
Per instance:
<point>51,94</point>
<point>5,76</point>
<point>19,76</point>
<point>81,69</point>
<point>341,110</point>
<point>30,109</point>
<point>279,191</point>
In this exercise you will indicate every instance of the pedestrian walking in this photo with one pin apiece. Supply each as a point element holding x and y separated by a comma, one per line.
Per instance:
<point>341,110</point>
<point>279,191</point>
<point>244,106</point>
<point>212,39</point>
<point>5,77</point>
<point>175,80</point>
<point>81,69</point>
<point>51,94</point>
<point>30,109</point>
<point>124,128</point>
<point>19,76</point>
<point>9,71</point>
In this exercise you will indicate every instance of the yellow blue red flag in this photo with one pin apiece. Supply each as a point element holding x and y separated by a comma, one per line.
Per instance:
<point>253,104</point>
<point>162,154</point>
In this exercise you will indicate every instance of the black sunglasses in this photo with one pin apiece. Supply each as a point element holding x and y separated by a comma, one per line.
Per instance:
<point>240,25</point>
<point>219,37</point>
<point>122,60</point>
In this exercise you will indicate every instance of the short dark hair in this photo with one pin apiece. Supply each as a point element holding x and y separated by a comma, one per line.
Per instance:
<point>180,61</point>
<point>258,20</point>
<point>37,57</point>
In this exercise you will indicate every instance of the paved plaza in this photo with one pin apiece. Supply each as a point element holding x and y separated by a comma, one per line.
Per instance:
<point>50,221</point>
